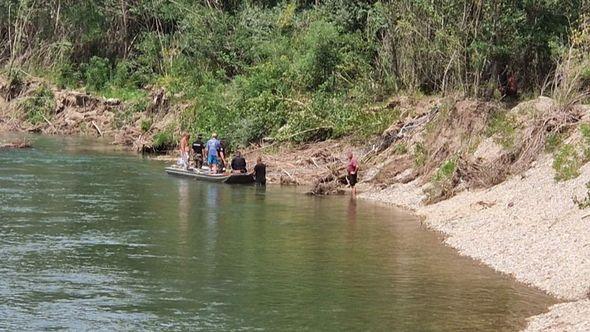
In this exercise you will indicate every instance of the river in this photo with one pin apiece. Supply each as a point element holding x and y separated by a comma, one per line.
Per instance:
<point>96,239</point>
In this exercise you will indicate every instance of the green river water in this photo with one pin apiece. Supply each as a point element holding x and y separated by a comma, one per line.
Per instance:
<point>94,239</point>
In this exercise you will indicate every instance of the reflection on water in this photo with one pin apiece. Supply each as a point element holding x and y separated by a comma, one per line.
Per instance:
<point>351,215</point>
<point>183,210</point>
<point>93,239</point>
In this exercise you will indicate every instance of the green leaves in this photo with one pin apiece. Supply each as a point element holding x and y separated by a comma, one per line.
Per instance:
<point>250,69</point>
<point>39,106</point>
<point>97,73</point>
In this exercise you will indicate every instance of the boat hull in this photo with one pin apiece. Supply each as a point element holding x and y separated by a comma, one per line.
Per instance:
<point>205,176</point>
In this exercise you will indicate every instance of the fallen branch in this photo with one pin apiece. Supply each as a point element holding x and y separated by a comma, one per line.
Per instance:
<point>288,138</point>
<point>16,145</point>
<point>392,136</point>
<point>313,161</point>
<point>50,123</point>
<point>294,101</point>
<point>97,129</point>
<point>288,174</point>
<point>292,179</point>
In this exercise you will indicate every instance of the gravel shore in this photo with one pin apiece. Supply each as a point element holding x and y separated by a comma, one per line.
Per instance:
<point>528,227</point>
<point>566,317</point>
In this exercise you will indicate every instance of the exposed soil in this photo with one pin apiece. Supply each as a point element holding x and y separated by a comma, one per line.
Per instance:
<point>81,114</point>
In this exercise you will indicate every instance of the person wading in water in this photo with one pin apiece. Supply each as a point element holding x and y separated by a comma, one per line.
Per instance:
<point>352,169</point>
<point>260,172</point>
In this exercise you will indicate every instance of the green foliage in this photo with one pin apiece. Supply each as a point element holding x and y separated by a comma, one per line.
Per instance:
<point>442,182</point>
<point>585,131</point>
<point>67,76</point>
<point>15,77</point>
<point>286,19</point>
<point>125,75</point>
<point>126,94</point>
<point>445,171</point>
<point>97,73</point>
<point>39,105</point>
<point>138,105</point>
<point>553,141</point>
<point>163,141</point>
<point>420,155</point>
<point>146,125</point>
<point>502,127</point>
<point>400,149</point>
<point>316,66</point>
<point>567,163</point>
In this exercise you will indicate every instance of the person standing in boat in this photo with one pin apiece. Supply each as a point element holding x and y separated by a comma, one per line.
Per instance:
<point>184,150</point>
<point>238,164</point>
<point>211,150</point>
<point>198,147</point>
<point>222,152</point>
<point>260,172</point>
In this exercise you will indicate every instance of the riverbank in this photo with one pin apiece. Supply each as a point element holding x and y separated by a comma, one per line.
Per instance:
<point>527,227</point>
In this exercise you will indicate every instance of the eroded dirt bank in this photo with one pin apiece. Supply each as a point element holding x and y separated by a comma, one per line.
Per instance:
<point>35,106</point>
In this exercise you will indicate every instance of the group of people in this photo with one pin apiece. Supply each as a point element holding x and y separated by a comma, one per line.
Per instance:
<point>215,152</point>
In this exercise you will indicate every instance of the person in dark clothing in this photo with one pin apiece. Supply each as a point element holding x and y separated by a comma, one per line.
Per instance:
<point>238,164</point>
<point>198,147</point>
<point>507,84</point>
<point>221,152</point>
<point>260,172</point>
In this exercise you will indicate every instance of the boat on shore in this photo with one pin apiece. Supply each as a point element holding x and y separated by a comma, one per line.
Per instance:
<point>204,175</point>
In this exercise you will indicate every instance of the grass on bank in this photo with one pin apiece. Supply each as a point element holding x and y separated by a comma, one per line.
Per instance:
<point>441,183</point>
<point>569,158</point>
<point>502,127</point>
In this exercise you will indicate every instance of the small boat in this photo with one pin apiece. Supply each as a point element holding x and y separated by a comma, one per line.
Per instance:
<point>203,174</point>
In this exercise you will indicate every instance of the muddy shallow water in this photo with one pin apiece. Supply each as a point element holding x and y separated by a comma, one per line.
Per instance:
<point>91,238</point>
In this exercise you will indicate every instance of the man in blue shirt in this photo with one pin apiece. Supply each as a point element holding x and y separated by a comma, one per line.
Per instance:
<point>213,145</point>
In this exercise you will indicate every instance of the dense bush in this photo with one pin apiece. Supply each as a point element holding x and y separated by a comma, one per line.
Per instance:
<point>39,105</point>
<point>97,73</point>
<point>163,141</point>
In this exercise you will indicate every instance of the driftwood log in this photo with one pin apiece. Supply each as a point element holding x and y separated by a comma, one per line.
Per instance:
<point>15,145</point>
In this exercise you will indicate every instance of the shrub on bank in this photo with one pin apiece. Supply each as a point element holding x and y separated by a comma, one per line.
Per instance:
<point>163,141</point>
<point>39,105</point>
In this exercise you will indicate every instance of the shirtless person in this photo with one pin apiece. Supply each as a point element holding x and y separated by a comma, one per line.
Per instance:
<point>184,150</point>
